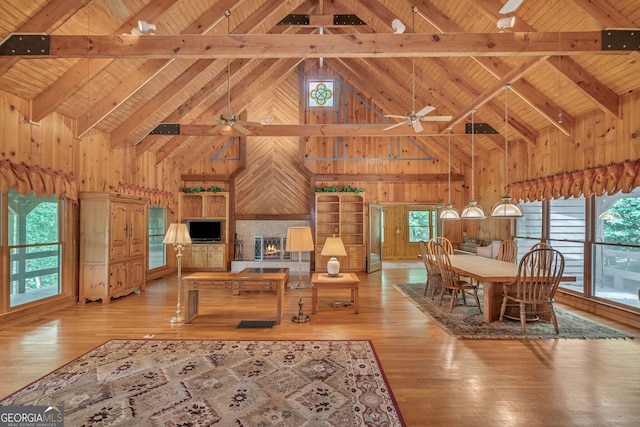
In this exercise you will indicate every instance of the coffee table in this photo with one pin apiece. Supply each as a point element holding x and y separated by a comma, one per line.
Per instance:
<point>343,281</point>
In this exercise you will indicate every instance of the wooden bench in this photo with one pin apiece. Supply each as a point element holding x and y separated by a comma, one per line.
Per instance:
<point>194,282</point>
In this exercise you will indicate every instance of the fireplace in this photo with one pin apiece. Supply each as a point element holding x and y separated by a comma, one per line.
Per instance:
<point>270,248</point>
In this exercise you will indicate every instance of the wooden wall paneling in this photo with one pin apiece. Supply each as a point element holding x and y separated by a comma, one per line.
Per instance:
<point>630,132</point>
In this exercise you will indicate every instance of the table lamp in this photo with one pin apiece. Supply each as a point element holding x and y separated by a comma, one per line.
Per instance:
<point>333,247</point>
<point>178,235</point>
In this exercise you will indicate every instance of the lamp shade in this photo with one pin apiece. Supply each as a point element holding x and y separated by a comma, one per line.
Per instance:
<point>177,234</point>
<point>472,211</point>
<point>449,213</point>
<point>333,246</point>
<point>299,239</point>
<point>506,209</point>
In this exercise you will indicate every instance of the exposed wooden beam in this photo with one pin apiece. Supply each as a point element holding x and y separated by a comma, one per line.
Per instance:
<point>49,18</point>
<point>605,99</point>
<point>431,129</point>
<point>496,88</point>
<point>85,69</point>
<point>325,45</point>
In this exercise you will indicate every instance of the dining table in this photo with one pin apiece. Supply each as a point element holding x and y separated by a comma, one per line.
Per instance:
<point>492,273</point>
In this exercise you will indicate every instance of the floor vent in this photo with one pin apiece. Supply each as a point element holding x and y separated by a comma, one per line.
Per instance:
<point>256,324</point>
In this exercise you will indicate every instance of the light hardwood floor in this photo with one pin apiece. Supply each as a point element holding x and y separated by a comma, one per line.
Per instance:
<point>437,380</point>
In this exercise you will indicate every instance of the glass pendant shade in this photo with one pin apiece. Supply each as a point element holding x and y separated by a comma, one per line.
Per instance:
<point>472,211</point>
<point>506,209</point>
<point>449,213</point>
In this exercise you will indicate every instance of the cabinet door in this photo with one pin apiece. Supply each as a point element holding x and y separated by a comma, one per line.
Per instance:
<point>135,273</point>
<point>216,257</point>
<point>117,278</point>
<point>118,231</point>
<point>137,229</point>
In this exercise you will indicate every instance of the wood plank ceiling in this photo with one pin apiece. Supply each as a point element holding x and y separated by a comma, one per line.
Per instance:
<point>129,92</point>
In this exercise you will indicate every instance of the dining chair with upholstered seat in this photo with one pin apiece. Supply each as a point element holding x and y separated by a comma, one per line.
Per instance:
<point>450,280</point>
<point>532,293</point>
<point>508,251</point>
<point>433,274</point>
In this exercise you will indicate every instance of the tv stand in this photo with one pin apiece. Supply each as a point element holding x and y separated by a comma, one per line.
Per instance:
<point>205,256</point>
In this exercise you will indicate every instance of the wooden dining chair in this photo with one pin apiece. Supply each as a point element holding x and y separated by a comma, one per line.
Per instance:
<point>541,245</point>
<point>443,241</point>
<point>450,280</point>
<point>434,280</point>
<point>532,293</point>
<point>508,251</point>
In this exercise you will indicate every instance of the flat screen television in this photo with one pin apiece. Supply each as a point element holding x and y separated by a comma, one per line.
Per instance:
<point>205,230</point>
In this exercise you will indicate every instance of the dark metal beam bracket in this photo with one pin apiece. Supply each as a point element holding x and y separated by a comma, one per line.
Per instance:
<point>25,45</point>
<point>166,129</point>
<point>614,39</point>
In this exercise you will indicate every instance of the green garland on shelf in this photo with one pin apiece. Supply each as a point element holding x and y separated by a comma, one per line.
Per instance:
<point>334,189</point>
<point>212,189</point>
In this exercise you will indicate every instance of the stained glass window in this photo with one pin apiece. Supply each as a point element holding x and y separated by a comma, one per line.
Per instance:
<point>320,93</point>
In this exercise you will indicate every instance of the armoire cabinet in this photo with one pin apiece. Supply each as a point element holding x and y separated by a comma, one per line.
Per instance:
<point>206,206</point>
<point>341,215</point>
<point>113,245</point>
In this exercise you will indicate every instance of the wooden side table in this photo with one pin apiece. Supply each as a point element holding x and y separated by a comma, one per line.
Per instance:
<point>344,281</point>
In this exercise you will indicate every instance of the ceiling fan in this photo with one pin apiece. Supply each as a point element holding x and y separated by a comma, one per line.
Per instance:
<point>230,120</point>
<point>414,117</point>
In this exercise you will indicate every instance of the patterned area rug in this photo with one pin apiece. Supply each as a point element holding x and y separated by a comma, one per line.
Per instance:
<point>466,322</point>
<point>225,383</point>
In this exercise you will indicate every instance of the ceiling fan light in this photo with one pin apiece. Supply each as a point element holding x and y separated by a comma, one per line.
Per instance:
<point>449,213</point>
<point>506,209</point>
<point>472,211</point>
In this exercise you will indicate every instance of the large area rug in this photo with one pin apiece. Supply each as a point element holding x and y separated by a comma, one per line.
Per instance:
<point>466,322</point>
<point>219,383</point>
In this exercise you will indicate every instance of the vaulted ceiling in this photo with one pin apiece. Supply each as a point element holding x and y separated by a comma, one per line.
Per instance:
<point>559,62</point>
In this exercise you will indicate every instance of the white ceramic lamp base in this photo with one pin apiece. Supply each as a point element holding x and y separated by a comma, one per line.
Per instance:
<point>333,267</point>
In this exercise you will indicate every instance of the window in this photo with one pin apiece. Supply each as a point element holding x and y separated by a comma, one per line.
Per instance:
<point>35,249</point>
<point>599,238</point>
<point>529,227</point>
<point>157,253</point>
<point>423,225</point>
<point>320,93</point>
<point>616,251</point>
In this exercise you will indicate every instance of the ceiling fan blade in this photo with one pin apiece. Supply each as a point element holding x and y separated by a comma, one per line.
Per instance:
<point>426,110</point>
<point>246,123</point>
<point>396,125</point>
<point>436,118</point>
<point>395,116</point>
<point>216,128</point>
<point>241,128</point>
<point>510,6</point>
<point>417,126</point>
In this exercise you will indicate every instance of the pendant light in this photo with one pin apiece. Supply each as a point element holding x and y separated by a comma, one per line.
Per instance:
<point>472,210</point>
<point>449,212</point>
<point>506,208</point>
